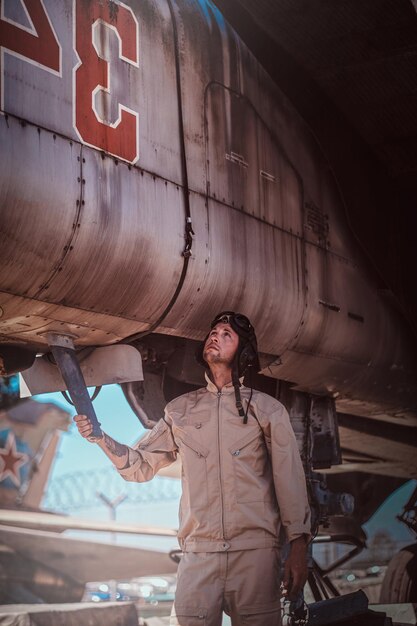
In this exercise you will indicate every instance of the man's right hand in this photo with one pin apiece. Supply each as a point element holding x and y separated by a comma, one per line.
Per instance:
<point>84,425</point>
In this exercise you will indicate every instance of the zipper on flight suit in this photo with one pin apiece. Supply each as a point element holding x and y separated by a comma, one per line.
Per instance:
<point>219,395</point>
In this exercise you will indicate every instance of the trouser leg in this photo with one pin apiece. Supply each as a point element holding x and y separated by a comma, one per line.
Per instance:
<point>252,593</point>
<point>200,587</point>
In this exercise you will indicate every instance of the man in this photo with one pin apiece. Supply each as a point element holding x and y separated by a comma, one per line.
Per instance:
<point>242,480</point>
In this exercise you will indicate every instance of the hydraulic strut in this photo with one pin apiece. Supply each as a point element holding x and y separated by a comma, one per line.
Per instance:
<point>63,350</point>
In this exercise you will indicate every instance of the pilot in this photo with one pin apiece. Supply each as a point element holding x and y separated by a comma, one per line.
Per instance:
<point>243,483</point>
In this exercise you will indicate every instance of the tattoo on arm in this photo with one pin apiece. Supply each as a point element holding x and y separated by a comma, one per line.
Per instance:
<point>116,448</point>
<point>120,455</point>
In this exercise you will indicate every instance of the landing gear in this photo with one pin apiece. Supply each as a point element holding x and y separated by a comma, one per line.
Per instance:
<point>400,580</point>
<point>341,530</point>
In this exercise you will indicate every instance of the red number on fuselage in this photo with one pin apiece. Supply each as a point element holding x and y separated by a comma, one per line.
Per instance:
<point>40,47</point>
<point>121,138</point>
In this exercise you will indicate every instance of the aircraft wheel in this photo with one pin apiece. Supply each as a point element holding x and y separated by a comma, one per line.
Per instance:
<point>400,580</point>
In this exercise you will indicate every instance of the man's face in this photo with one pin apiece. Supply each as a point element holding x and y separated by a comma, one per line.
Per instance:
<point>221,345</point>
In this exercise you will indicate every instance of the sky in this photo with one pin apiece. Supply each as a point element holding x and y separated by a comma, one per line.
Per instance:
<point>119,421</point>
<point>75,454</point>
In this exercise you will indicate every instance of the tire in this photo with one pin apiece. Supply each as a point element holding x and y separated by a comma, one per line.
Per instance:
<point>400,580</point>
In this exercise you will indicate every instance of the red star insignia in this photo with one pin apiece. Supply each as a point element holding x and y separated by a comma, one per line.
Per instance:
<point>11,460</point>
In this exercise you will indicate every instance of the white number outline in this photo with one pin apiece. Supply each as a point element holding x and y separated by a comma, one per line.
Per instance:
<point>121,107</point>
<point>32,30</point>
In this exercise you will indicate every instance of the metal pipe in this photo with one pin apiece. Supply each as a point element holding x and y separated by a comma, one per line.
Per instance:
<point>62,348</point>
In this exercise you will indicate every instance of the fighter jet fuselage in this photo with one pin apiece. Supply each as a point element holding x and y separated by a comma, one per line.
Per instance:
<point>152,174</point>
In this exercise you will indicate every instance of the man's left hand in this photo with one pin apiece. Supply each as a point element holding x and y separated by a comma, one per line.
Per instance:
<point>296,569</point>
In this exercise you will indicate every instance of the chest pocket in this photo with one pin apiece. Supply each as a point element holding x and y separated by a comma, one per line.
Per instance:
<point>197,420</point>
<point>253,475</point>
<point>193,457</point>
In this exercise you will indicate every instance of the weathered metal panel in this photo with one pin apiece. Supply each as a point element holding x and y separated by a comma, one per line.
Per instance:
<point>99,68</point>
<point>209,53</point>
<point>37,61</point>
<point>129,239</point>
<point>328,330</point>
<point>28,320</point>
<point>250,267</point>
<point>94,234</point>
<point>39,194</point>
<point>247,167</point>
<point>191,312</point>
<point>156,91</point>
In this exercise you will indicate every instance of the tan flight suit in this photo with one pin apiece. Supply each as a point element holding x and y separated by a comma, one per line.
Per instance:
<point>240,483</point>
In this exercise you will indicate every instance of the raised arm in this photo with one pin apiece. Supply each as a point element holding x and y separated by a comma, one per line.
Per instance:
<point>117,452</point>
<point>155,450</point>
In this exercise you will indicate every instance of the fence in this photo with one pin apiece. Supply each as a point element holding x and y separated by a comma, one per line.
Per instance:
<point>80,490</point>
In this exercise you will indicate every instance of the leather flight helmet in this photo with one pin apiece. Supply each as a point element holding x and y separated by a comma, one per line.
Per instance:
<point>246,357</point>
<point>247,352</point>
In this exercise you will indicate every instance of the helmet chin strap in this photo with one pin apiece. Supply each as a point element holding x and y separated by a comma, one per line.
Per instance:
<point>239,405</point>
<point>236,385</point>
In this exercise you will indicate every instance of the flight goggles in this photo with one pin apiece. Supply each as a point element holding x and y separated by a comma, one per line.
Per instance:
<point>240,323</point>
